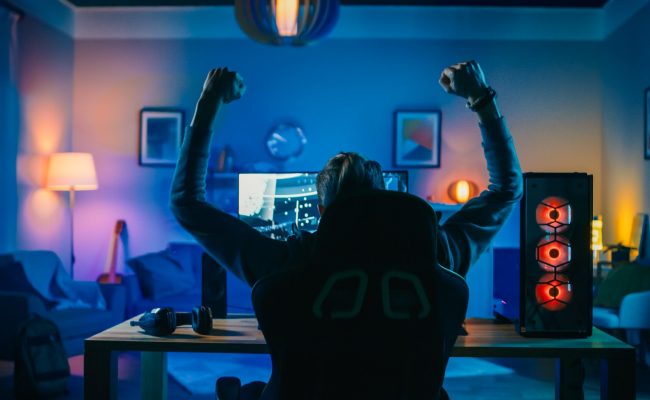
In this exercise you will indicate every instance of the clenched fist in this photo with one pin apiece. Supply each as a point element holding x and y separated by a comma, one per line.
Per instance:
<point>223,85</point>
<point>465,80</point>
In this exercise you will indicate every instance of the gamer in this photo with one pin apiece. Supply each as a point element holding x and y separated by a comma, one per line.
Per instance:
<point>251,255</point>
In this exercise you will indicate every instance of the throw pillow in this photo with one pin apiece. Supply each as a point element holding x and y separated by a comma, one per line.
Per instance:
<point>160,275</point>
<point>623,280</point>
<point>13,279</point>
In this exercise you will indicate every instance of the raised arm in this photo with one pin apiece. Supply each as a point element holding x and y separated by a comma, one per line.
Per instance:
<point>231,242</point>
<point>468,232</point>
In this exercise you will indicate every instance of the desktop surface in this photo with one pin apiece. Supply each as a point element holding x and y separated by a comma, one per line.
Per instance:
<point>485,338</point>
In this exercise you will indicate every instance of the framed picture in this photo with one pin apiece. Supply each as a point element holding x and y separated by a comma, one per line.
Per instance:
<point>417,139</point>
<point>646,125</point>
<point>161,135</point>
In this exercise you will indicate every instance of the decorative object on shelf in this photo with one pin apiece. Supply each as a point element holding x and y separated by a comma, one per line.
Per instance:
<point>286,22</point>
<point>597,234</point>
<point>286,141</point>
<point>225,161</point>
<point>461,191</point>
<point>71,172</point>
<point>417,139</point>
<point>646,135</point>
<point>161,134</point>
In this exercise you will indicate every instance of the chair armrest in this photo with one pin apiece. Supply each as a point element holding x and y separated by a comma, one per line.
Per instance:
<point>134,293</point>
<point>21,304</point>
<point>89,292</point>
<point>115,295</point>
<point>635,311</point>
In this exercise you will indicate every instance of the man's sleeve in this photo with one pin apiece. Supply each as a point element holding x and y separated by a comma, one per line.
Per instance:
<point>469,231</point>
<point>232,243</point>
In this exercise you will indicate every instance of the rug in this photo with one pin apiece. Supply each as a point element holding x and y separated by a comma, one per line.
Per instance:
<point>198,372</point>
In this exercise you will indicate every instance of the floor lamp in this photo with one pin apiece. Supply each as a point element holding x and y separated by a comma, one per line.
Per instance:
<point>71,172</point>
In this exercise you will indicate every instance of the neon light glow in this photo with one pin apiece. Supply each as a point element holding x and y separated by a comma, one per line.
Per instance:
<point>553,215</point>
<point>553,292</point>
<point>553,253</point>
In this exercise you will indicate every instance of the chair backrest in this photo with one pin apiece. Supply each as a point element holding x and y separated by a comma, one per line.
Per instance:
<point>372,315</point>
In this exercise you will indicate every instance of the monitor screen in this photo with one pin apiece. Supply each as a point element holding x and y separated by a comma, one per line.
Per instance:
<point>272,203</point>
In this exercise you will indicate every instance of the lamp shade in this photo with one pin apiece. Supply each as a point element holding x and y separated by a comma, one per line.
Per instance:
<point>280,22</point>
<point>71,171</point>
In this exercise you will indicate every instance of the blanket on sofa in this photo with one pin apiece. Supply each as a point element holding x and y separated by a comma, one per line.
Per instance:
<point>47,276</point>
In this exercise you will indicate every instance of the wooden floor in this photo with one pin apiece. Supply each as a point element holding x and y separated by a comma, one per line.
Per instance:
<point>533,380</point>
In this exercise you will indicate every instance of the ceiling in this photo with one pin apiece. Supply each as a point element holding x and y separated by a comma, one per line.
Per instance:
<point>480,3</point>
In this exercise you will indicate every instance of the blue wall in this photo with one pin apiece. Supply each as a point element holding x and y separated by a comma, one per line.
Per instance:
<point>8,137</point>
<point>342,92</point>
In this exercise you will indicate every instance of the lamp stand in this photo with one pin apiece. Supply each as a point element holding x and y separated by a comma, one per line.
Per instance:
<point>71,204</point>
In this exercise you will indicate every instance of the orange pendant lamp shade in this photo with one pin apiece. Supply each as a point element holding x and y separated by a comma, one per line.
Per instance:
<point>286,22</point>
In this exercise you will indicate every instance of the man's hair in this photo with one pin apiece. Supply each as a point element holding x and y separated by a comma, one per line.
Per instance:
<point>347,173</point>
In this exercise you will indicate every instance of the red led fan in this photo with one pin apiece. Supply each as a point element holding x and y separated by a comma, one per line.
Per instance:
<point>553,214</point>
<point>553,292</point>
<point>553,253</point>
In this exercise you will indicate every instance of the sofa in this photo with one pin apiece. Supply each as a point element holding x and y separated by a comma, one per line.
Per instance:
<point>180,276</point>
<point>79,309</point>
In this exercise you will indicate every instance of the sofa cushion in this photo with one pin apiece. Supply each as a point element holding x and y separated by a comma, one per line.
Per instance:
<point>179,302</point>
<point>605,317</point>
<point>13,279</point>
<point>188,255</point>
<point>623,280</point>
<point>161,275</point>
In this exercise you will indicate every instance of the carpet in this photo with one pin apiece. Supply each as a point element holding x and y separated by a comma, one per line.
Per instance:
<point>198,372</point>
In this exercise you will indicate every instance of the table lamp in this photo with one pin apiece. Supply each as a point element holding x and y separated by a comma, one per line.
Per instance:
<point>461,191</point>
<point>71,172</point>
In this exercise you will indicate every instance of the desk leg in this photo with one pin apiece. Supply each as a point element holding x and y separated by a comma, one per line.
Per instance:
<point>100,374</point>
<point>153,375</point>
<point>618,377</point>
<point>569,377</point>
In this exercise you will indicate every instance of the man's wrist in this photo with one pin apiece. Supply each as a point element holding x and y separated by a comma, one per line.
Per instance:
<point>205,112</point>
<point>489,112</point>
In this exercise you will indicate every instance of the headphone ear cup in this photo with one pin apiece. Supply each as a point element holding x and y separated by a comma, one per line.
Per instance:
<point>158,322</point>
<point>202,320</point>
<point>168,320</point>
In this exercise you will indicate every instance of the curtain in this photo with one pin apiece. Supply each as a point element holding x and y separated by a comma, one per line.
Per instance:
<point>8,130</point>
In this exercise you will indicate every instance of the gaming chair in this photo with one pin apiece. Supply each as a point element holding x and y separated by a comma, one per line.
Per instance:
<point>372,315</point>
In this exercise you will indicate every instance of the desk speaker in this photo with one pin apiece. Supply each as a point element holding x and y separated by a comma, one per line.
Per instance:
<point>556,263</point>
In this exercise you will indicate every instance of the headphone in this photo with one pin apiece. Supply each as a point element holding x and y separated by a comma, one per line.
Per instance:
<point>164,320</point>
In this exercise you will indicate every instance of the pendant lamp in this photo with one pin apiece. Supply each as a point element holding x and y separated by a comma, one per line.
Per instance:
<point>286,22</point>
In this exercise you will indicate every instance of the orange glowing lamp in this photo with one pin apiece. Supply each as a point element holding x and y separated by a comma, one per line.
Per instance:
<point>461,191</point>
<point>286,17</point>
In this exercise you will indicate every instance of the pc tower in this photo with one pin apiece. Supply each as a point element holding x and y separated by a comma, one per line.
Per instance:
<point>556,263</point>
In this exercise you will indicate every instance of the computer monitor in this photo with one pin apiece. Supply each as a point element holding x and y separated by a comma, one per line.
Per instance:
<point>273,203</point>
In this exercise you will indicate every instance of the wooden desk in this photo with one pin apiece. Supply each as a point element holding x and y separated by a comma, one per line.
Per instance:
<point>486,339</point>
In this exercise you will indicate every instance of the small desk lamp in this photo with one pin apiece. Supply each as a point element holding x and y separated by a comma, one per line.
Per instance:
<point>71,172</point>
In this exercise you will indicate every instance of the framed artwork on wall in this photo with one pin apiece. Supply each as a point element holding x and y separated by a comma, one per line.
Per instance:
<point>646,125</point>
<point>417,139</point>
<point>161,135</point>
